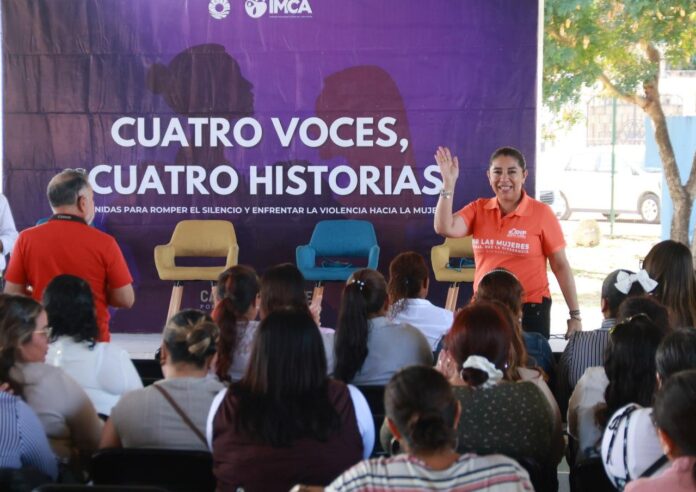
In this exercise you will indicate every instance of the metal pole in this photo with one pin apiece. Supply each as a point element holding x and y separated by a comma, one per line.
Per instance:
<point>612,215</point>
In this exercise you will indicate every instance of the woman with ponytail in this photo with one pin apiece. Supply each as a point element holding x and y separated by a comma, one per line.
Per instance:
<point>171,413</point>
<point>369,348</point>
<point>236,307</point>
<point>422,413</point>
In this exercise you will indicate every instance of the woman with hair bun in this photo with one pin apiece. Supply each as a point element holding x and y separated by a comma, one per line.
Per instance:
<point>674,410</point>
<point>369,347</point>
<point>422,413</point>
<point>498,415</point>
<point>160,415</point>
<point>236,307</point>
<point>104,370</point>
<point>474,359</point>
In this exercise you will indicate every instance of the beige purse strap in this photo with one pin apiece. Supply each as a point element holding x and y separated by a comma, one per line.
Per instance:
<point>181,413</point>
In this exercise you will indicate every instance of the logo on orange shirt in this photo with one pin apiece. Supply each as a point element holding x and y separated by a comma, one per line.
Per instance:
<point>517,233</point>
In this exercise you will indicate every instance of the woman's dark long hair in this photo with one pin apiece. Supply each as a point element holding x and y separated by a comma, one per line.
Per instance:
<point>236,292</point>
<point>408,274</point>
<point>677,352</point>
<point>630,365</point>
<point>364,295</point>
<point>674,410</point>
<point>670,263</point>
<point>17,323</point>
<point>282,287</point>
<point>502,286</point>
<point>70,308</point>
<point>481,328</point>
<point>420,402</point>
<point>283,395</point>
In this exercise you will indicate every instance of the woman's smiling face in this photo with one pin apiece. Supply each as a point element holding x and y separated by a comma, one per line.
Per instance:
<point>506,178</point>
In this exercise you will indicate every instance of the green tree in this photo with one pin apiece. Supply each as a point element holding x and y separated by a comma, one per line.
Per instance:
<point>621,44</point>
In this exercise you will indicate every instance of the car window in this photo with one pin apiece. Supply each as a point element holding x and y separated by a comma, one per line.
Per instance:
<point>586,162</point>
<point>623,164</point>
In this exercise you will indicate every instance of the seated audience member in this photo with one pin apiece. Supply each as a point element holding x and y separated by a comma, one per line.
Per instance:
<point>586,348</point>
<point>286,422</point>
<point>236,308</point>
<point>649,305</point>
<point>65,411</point>
<point>628,376</point>
<point>630,446</point>
<point>502,286</point>
<point>498,415</point>
<point>674,410</point>
<point>104,370</point>
<point>671,264</point>
<point>422,414</point>
<point>369,348</point>
<point>23,443</point>
<point>529,348</point>
<point>408,289</point>
<point>171,413</point>
<point>282,287</point>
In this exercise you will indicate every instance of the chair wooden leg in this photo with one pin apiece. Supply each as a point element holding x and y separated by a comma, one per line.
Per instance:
<point>455,297</point>
<point>315,304</point>
<point>175,299</point>
<point>452,295</point>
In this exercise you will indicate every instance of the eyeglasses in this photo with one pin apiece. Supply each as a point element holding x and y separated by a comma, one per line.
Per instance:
<point>45,331</point>
<point>80,170</point>
<point>628,320</point>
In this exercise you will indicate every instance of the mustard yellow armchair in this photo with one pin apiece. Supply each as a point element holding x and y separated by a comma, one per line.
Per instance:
<point>440,257</point>
<point>195,238</point>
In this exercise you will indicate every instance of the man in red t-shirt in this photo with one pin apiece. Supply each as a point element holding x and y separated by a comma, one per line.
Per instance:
<point>66,244</point>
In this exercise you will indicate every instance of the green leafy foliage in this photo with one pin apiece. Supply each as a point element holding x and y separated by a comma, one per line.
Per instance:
<point>585,39</point>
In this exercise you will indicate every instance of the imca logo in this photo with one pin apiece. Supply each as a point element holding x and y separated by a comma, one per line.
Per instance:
<point>219,9</point>
<point>278,8</point>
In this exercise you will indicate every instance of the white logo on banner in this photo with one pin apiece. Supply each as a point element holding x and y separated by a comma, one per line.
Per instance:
<point>255,8</point>
<point>278,8</point>
<point>219,9</point>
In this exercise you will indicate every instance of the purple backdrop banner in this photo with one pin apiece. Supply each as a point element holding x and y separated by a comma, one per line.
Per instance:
<point>271,114</point>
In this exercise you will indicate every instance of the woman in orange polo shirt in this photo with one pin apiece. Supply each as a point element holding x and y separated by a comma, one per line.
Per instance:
<point>511,231</point>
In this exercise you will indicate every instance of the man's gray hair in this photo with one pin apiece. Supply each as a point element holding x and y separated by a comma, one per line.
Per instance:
<point>65,187</point>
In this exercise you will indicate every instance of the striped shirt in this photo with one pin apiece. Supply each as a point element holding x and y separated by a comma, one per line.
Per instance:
<point>469,473</point>
<point>584,349</point>
<point>23,441</point>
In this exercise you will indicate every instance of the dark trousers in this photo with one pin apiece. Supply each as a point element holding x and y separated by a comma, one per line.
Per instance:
<point>536,317</point>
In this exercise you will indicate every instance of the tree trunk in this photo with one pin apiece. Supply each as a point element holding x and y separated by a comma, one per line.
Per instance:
<point>681,199</point>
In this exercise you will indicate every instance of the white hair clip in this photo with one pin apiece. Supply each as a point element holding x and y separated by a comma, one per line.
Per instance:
<point>625,280</point>
<point>483,364</point>
<point>360,283</point>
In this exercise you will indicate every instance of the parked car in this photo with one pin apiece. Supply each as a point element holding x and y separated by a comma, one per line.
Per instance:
<point>584,185</point>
